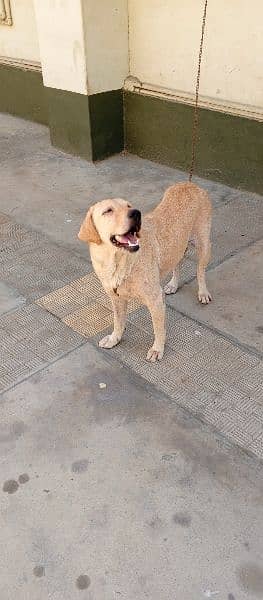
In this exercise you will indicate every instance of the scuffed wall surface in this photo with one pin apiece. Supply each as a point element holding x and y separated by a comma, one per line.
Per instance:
<point>164,37</point>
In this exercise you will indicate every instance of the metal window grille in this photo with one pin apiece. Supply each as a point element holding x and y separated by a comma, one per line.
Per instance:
<point>5,13</point>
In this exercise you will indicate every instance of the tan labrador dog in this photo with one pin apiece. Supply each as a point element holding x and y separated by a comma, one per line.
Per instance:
<point>131,258</point>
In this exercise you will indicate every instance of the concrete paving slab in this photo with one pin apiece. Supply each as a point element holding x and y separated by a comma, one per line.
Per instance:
<point>17,361</point>
<point>15,239</point>
<point>235,226</point>
<point>10,299</point>
<point>118,493</point>
<point>193,384</point>
<point>199,365</point>
<point>36,267</point>
<point>31,338</point>
<point>237,290</point>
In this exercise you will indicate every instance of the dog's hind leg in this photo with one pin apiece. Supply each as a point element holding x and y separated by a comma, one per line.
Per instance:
<point>203,249</point>
<point>172,286</point>
<point>120,313</point>
<point>156,307</point>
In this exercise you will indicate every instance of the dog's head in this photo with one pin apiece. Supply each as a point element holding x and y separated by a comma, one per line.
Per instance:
<point>112,222</point>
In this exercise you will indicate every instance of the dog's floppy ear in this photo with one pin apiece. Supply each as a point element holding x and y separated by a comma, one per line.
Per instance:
<point>88,232</point>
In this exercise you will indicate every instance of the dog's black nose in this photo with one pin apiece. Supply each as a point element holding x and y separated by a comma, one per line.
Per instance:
<point>135,215</point>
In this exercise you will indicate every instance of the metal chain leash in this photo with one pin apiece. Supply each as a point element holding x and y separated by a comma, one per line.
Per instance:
<point>195,120</point>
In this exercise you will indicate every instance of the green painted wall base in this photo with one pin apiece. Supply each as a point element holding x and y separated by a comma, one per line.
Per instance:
<point>229,149</point>
<point>88,126</point>
<point>22,94</point>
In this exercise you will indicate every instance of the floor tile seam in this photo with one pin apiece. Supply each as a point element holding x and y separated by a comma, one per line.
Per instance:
<point>43,309</point>
<point>13,310</point>
<point>32,299</point>
<point>246,348</point>
<point>234,340</point>
<point>218,333</point>
<point>216,263</point>
<point>143,380</point>
<point>45,366</point>
<point>188,280</point>
<point>184,408</point>
<point>45,240</point>
<point>256,439</point>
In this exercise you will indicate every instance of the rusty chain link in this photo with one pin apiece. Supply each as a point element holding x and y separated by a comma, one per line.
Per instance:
<point>195,120</point>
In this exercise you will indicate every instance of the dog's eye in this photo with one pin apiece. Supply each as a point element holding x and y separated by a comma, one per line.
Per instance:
<point>108,211</point>
<point>128,206</point>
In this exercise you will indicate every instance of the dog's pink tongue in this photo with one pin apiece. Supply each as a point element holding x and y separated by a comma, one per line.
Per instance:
<point>129,239</point>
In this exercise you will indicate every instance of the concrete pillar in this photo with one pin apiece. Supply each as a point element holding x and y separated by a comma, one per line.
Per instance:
<point>106,42</point>
<point>84,57</point>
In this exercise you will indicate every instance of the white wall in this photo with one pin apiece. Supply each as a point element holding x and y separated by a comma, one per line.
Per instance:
<point>84,44</point>
<point>164,44</point>
<point>21,39</point>
<point>106,40</point>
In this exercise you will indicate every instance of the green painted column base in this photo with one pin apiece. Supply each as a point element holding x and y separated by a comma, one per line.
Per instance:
<point>229,148</point>
<point>87,126</point>
<point>69,122</point>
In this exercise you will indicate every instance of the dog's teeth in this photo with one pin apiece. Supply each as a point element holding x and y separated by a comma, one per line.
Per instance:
<point>123,239</point>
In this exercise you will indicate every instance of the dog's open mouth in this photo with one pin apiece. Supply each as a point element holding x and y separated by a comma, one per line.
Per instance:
<point>128,241</point>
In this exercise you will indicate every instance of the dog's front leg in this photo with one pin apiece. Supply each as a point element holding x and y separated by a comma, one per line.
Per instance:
<point>119,311</point>
<point>156,307</point>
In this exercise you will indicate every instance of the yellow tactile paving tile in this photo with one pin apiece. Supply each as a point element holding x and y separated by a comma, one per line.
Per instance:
<point>82,305</point>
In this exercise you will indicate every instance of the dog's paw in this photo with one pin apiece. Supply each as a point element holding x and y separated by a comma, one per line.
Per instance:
<point>154,355</point>
<point>171,287</point>
<point>204,297</point>
<point>109,341</point>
